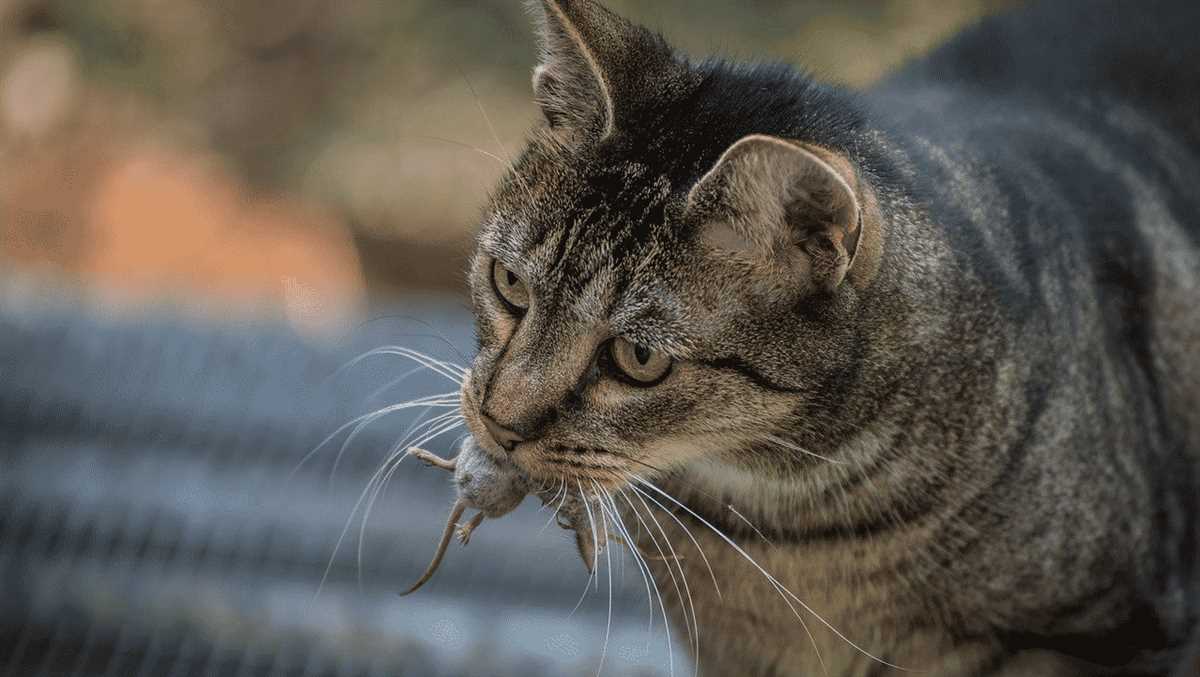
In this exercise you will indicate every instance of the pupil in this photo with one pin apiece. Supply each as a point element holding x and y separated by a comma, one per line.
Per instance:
<point>642,353</point>
<point>511,277</point>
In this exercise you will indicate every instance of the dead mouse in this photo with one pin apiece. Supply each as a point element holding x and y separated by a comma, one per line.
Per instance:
<point>495,488</point>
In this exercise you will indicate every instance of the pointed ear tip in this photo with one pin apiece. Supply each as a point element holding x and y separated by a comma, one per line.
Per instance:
<point>554,7</point>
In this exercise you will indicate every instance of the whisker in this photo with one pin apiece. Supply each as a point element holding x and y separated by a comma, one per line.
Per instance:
<point>451,371</point>
<point>487,119</point>
<point>562,485</point>
<point>442,400</point>
<point>596,549</point>
<point>349,520</point>
<point>775,584</point>
<point>693,487</point>
<point>794,447</point>
<point>643,569</point>
<point>661,605</point>
<point>686,531</point>
<point>674,558</point>
<point>434,332</point>
<point>337,459</point>
<point>748,523</point>
<point>488,154</point>
<point>779,586</point>
<point>561,502</point>
<point>608,558</point>
<point>444,424</point>
<point>378,392</point>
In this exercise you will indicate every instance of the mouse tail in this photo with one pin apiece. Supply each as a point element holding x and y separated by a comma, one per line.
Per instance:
<point>451,523</point>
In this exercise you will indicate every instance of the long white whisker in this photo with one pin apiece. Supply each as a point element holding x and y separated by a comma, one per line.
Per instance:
<point>451,371</point>
<point>562,485</point>
<point>779,586</point>
<point>349,520</point>
<point>554,515</point>
<point>596,546</point>
<point>643,569</point>
<point>748,523</point>
<point>661,605</point>
<point>394,382</point>
<point>444,424</point>
<point>794,447</point>
<point>695,623</point>
<point>608,558</point>
<point>595,539</point>
<point>686,531</point>
<point>426,357</point>
<point>642,565</point>
<point>499,160</point>
<point>337,459</point>
<point>442,400</point>
<point>774,583</point>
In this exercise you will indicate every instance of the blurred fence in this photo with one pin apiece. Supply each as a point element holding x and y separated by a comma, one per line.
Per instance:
<point>149,524</point>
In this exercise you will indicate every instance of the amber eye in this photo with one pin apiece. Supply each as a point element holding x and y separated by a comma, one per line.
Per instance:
<point>509,287</point>
<point>644,366</point>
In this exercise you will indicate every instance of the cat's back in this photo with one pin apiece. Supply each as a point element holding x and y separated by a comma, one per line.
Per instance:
<point>1056,152</point>
<point>1146,53</point>
<point>1062,132</point>
<point>1057,148</point>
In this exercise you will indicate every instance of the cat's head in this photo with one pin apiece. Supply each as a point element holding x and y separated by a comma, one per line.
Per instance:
<point>671,268</point>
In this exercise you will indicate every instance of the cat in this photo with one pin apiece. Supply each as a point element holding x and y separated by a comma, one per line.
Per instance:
<point>928,354</point>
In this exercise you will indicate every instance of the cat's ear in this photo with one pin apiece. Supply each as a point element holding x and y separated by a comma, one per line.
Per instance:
<point>589,57</point>
<point>783,203</point>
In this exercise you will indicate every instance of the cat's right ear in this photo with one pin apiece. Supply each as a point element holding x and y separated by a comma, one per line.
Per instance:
<point>585,54</point>
<point>796,209</point>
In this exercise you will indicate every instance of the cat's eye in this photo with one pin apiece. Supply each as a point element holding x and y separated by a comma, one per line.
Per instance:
<point>510,288</point>
<point>642,365</point>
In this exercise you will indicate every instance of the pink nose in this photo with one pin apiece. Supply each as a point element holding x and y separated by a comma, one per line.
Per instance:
<point>503,436</point>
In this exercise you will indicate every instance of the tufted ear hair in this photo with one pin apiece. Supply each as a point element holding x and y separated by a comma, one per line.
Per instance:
<point>591,59</point>
<point>777,201</point>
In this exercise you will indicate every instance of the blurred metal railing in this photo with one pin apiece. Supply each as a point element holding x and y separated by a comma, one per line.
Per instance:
<point>149,523</point>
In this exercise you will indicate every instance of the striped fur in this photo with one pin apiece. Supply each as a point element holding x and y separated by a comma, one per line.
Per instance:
<point>977,454</point>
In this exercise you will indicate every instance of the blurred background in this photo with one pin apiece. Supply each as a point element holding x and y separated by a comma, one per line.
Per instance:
<point>209,206</point>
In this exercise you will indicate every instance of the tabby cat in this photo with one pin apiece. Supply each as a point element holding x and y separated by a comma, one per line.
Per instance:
<point>928,354</point>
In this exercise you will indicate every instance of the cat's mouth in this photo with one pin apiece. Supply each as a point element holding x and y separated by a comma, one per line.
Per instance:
<point>546,462</point>
<point>576,466</point>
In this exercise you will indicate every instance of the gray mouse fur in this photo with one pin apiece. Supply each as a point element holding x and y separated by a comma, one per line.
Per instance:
<point>495,488</point>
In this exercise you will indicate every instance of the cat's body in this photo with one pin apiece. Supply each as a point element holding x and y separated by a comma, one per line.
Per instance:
<point>965,430</point>
<point>1052,340</point>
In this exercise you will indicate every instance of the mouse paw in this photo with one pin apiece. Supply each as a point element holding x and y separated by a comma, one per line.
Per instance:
<point>464,531</point>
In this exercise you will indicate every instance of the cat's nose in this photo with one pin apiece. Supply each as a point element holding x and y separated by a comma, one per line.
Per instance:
<point>503,436</point>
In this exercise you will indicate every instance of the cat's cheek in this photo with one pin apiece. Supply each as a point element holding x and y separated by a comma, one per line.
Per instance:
<point>608,394</point>
<point>503,325</point>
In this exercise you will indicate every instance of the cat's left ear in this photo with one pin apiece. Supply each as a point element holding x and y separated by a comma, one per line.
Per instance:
<point>786,204</point>
<point>595,66</point>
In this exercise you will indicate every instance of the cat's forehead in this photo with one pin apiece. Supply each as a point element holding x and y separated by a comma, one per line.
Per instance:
<point>597,245</point>
<point>568,216</point>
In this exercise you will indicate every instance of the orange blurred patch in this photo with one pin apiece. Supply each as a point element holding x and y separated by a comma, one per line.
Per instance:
<point>163,224</point>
